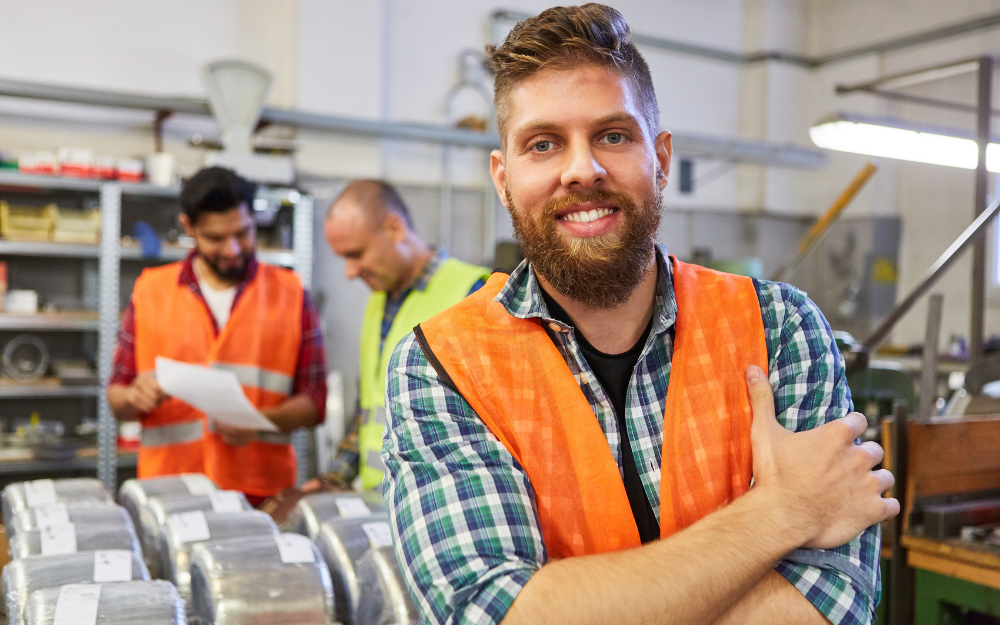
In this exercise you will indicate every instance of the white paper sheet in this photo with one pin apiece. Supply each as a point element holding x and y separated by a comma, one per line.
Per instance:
<point>77,604</point>
<point>216,393</point>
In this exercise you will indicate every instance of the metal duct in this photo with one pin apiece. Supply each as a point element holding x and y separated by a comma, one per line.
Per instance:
<point>253,581</point>
<point>313,510</point>
<point>22,495</point>
<point>384,597</point>
<point>124,603</point>
<point>134,494</point>
<point>23,577</point>
<point>153,516</point>
<point>176,543</point>
<point>343,541</point>
<point>82,514</point>
<point>86,538</point>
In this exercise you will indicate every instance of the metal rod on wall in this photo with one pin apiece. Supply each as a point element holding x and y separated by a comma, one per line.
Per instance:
<point>983,118</point>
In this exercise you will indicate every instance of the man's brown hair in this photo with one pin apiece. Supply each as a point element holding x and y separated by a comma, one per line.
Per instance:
<point>566,37</point>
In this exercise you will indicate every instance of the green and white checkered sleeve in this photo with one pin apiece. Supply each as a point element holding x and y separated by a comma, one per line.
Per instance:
<point>462,510</point>
<point>810,389</point>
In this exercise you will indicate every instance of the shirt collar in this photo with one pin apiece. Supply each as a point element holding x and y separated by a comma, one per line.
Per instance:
<point>522,297</point>
<point>189,278</point>
<point>424,277</point>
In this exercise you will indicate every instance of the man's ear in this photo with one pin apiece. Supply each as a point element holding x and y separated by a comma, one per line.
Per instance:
<point>394,227</point>
<point>664,154</point>
<point>186,224</point>
<point>498,172</point>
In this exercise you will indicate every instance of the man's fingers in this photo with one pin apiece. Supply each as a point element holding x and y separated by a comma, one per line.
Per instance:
<point>885,479</point>
<point>875,450</point>
<point>891,508</point>
<point>853,425</point>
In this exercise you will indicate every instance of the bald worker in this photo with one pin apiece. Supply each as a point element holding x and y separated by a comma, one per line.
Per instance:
<point>370,227</point>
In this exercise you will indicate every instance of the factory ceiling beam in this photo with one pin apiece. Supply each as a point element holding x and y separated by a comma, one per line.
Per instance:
<point>981,22</point>
<point>688,144</point>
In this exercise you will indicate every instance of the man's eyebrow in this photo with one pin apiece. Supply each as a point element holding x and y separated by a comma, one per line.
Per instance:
<point>602,121</point>
<point>616,118</point>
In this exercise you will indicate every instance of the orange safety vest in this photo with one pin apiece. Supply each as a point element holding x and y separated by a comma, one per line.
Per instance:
<point>515,379</point>
<point>260,344</point>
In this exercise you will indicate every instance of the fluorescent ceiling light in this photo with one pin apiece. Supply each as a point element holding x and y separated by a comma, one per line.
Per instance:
<point>903,144</point>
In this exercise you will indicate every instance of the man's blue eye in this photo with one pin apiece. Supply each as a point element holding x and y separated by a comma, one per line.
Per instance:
<point>614,137</point>
<point>543,146</point>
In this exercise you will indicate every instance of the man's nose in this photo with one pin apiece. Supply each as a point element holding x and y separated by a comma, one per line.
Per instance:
<point>582,168</point>
<point>352,269</point>
<point>231,247</point>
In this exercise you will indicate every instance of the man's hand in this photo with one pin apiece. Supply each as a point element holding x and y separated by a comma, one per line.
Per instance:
<point>818,477</point>
<point>237,437</point>
<point>144,395</point>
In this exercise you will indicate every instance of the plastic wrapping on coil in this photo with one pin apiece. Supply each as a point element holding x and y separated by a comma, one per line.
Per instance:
<point>80,514</point>
<point>254,581</point>
<point>23,495</point>
<point>181,534</point>
<point>313,509</point>
<point>153,516</point>
<point>85,538</point>
<point>23,577</point>
<point>342,542</point>
<point>125,603</point>
<point>384,597</point>
<point>134,494</point>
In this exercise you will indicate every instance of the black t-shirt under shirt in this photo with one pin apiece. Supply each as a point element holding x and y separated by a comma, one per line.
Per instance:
<point>614,371</point>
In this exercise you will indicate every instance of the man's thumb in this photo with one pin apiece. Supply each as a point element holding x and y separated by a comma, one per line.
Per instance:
<point>761,396</point>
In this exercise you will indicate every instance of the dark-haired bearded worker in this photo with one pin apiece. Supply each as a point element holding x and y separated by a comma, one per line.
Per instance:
<point>370,227</point>
<point>222,308</point>
<point>575,442</point>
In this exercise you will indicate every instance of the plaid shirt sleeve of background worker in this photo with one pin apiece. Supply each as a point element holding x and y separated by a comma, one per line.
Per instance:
<point>464,523</point>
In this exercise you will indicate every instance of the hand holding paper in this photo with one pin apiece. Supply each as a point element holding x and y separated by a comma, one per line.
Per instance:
<point>216,393</point>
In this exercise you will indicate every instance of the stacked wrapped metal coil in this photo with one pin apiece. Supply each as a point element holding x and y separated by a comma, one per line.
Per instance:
<point>88,538</point>
<point>23,577</point>
<point>134,494</point>
<point>247,582</point>
<point>342,542</point>
<point>384,597</point>
<point>80,514</point>
<point>124,603</point>
<point>153,516</point>
<point>175,546</point>
<point>313,509</point>
<point>13,498</point>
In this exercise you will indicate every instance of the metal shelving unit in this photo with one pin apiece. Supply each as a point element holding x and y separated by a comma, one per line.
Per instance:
<point>109,255</point>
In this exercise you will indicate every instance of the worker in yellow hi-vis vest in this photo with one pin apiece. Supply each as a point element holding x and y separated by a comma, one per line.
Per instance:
<point>369,226</point>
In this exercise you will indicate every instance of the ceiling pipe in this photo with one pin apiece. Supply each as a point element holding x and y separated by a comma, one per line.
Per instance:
<point>790,58</point>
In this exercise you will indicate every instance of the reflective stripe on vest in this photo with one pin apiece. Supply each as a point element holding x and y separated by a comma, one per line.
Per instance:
<point>516,380</point>
<point>260,378</point>
<point>172,434</point>
<point>448,286</point>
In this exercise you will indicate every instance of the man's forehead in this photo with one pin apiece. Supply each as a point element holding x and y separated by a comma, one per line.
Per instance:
<point>587,94</point>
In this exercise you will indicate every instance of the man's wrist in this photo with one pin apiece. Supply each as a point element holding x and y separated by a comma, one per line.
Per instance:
<point>783,525</point>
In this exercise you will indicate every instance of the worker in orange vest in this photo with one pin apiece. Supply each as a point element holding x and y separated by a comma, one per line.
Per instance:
<point>220,307</point>
<point>576,442</point>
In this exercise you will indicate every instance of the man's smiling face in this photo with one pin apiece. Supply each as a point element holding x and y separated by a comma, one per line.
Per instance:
<point>581,175</point>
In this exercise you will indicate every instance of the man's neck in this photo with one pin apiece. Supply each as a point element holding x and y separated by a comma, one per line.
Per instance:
<point>612,330</point>
<point>204,271</point>
<point>420,254</point>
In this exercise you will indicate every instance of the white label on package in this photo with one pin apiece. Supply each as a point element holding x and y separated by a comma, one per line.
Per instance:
<point>77,604</point>
<point>56,514</point>
<point>226,501</point>
<point>191,526</point>
<point>352,507</point>
<point>295,548</point>
<point>378,534</point>
<point>40,493</point>
<point>113,565</point>
<point>197,484</point>
<point>58,540</point>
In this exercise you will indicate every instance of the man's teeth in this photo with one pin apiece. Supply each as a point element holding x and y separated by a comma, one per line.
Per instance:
<point>585,217</point>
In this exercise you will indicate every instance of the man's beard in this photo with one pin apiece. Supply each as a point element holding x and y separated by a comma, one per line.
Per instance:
<point>601,271</point>
<point>230,273</point>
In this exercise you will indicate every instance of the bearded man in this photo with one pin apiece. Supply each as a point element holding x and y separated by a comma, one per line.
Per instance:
<point>576,442</point>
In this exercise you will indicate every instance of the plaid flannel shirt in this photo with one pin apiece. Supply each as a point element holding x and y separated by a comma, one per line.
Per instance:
<point>464,522</point>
